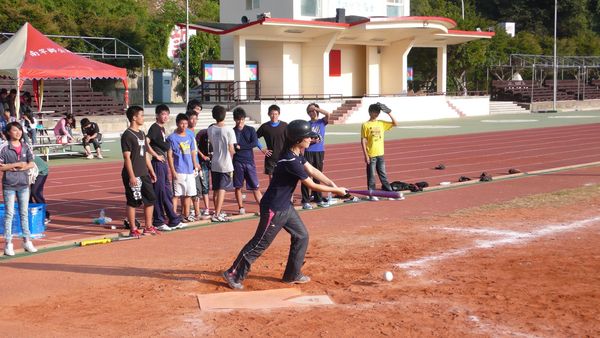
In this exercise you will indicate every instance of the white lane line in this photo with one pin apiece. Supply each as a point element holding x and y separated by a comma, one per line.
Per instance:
<point>573,117</point>
<point>427,127</point>
<point>416,267</point>
<point>508,121</point>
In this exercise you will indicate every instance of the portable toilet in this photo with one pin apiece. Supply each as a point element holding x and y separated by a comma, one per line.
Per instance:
<point>162,80</point>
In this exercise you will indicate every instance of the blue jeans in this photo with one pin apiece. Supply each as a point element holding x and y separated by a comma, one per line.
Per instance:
<point>377,163</point>
<point>9,205</point>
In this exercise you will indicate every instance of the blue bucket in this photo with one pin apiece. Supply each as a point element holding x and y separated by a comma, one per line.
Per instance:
<point>37,216</point>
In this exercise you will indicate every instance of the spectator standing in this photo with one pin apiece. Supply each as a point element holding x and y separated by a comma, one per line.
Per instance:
<point>204,154</point>
<point>372,141</point>
<point>16,158</point>
<point>222,140</point>
<point>3,99</point>
<point>182,162</point>
<point>244,167</point>
<point>273,132</point>
<point>137,174</point>
<point>37,188</point>
<point>192,120</point>
<point>11,100</point>
<point>315,154</point>
<point>91,134</point>
<point>159,148</point>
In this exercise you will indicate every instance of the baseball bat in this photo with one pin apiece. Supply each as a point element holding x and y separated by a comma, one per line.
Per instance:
<point>376,193</point>
<point>95,241</point>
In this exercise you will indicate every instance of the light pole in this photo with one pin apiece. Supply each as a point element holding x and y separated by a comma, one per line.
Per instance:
<point>462,2</point>
<point>187,51</point>
<point>555,63</point>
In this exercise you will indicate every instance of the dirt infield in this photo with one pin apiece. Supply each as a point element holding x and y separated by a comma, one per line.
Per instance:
<point>507,258</point>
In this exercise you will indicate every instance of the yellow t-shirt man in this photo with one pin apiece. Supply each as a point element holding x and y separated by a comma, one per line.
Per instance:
<point>373,132</point>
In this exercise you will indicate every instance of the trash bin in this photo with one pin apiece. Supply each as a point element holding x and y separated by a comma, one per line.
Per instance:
<point>162,81</point>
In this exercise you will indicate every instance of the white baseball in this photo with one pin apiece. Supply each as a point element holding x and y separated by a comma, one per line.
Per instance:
<point>388,276</point>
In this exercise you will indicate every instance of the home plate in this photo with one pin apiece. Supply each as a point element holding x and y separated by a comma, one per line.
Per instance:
<point>266,299</point>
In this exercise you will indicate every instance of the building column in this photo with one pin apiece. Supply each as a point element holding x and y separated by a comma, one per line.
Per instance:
<point>373,70</point>
<point>404,81</point>
<point>442,68</point>
<point>239,66</point>
<point>315,64</point>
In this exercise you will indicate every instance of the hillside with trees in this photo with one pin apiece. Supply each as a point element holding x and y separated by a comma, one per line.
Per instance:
<point>145,25</point>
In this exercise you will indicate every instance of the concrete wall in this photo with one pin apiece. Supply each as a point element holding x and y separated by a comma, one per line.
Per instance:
<point>270,64</point>
<point>292,74</point>
<point>290,110</point>
<point>352,82</point>
<point>420,108</point>
<point>405,108</point>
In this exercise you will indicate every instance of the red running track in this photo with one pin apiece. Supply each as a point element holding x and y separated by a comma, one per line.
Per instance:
<point>76,193</point>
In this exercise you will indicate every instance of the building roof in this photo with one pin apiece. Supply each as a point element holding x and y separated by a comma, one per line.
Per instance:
<point>427,31</point>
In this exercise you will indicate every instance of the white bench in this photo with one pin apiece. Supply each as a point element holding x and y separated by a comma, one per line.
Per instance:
<point>66,149</point>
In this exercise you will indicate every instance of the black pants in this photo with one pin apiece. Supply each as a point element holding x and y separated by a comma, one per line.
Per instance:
<point>37,192</point>
<point>268,227</point>
<point>316,159</point>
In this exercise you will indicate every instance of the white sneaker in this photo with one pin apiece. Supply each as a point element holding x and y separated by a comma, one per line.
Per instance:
<point>242,211</point>
<point>9,250</point>
<point>373,198</point>
<point>90,156</point>
<point>399,198</point>
<point>192,213</point>
<point>181,225</point>
<point>307,206</point>
<point>100,157</point>
<point>28,246</point>
<point>164,227</point>
<point>205,212</point>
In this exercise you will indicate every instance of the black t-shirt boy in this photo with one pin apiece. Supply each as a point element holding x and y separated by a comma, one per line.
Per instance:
<point>158,139</point>
<point>135,142</point>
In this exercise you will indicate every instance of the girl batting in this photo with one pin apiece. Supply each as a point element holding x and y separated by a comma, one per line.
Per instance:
<point>277,211</point>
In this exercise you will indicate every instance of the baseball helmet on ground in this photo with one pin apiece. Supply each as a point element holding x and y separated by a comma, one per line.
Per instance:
<point>299,129</point>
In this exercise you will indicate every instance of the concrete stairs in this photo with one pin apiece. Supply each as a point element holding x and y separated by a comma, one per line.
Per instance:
<point>339,115</point>
<point>459,112</point>
<point>506,107</point>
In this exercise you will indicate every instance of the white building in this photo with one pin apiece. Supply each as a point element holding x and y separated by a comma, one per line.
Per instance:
<point>309,47</point>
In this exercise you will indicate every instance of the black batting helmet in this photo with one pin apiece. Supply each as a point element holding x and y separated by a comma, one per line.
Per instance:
<point>299,129</point>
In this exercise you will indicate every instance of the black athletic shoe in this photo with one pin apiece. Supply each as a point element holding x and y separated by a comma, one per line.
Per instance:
<point>231,282</point>
<point>127,226</point>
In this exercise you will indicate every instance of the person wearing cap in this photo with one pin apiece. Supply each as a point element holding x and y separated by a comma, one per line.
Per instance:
<point>277,211</point>
<point>372,133</point>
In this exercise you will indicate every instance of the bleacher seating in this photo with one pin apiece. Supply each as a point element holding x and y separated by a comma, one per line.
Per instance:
<point>576,88</point>
<point>522,91</point>
<point>57,99</point>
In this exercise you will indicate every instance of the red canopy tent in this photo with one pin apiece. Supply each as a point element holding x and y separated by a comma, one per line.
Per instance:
<point>29,55</point>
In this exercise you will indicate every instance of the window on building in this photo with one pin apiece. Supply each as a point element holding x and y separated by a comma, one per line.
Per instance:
<point>395,8</point>
<point>335,62</point>
<point>310,7</point>
<point>252,4</point>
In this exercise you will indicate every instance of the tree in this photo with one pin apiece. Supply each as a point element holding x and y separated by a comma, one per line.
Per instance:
<point>203,46</point>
